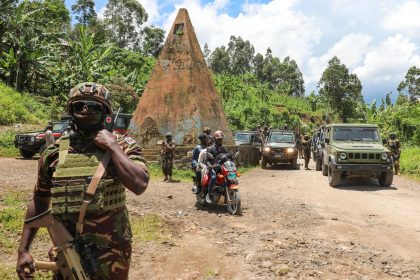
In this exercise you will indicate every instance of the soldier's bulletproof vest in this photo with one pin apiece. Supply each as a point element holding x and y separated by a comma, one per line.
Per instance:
<point>71,179</point>
<point>392,144</point>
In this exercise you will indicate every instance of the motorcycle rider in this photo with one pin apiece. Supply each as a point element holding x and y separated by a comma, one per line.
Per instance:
<point>194,162</point>
<point>216,149</point>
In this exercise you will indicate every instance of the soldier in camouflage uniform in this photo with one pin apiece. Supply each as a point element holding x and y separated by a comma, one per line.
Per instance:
<point>167,154</point>
<point>64,171</point>
<point>306,147</point>
<point>395,147</point>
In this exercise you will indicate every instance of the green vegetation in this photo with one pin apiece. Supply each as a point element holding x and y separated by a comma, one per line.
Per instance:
<point>410,161</point>
<point>8,271</point>
<point>149,227</point>
<point>16,107</point>
<point>11,221</point>
<point>155,170</point>
<point>7,148</point>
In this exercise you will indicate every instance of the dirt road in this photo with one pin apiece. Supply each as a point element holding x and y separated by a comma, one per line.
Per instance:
<point>293,226</point>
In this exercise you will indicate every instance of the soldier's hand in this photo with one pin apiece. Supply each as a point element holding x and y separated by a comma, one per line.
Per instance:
<point>105,140</point>
<point>25,266</point>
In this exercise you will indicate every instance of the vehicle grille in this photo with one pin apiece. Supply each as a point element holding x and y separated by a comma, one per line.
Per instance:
<point>279,150</point>
<point>375,156</point>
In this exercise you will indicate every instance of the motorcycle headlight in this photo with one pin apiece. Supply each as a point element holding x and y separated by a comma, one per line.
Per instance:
<point>290,150</point>
<point>267,149</point>
<point>384,156</point>
<point>343,156</point>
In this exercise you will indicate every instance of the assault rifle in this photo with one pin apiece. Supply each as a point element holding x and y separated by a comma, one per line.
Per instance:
<point>66,248</point>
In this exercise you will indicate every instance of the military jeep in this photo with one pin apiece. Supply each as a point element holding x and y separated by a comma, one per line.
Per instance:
<point>355,150</point>
<point>279,147</point>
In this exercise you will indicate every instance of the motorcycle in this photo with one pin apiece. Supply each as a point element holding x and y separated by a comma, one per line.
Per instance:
<point>225,190</point>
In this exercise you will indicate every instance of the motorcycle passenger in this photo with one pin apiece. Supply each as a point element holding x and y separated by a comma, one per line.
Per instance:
<point>203,159</point>
<point>216,149</point>
<point>194,162</point>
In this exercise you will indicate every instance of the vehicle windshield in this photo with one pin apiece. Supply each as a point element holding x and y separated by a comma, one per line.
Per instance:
<point>282,138</point>
<point>369,134</point>
<point>242,137</point>
<point>58,127</point>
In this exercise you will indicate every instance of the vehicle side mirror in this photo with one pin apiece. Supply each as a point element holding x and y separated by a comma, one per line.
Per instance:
<point>384,141</point>
<point>327,140</point>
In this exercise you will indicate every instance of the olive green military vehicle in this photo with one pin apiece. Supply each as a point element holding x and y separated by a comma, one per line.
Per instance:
<point>355,150</point>
<point>279,148</point>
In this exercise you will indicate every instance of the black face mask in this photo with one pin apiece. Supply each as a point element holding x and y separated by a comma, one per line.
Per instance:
<point>88,115</point>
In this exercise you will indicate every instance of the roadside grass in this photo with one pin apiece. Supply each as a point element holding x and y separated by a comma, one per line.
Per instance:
<point>7,138</point>
<point>9,272</point>
<point>12,213</point>
<point>148,227</point>
<point>410,161</point>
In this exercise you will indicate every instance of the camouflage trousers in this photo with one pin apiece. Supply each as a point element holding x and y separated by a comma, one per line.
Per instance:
<point>307,156</point>
<point>167,165</point>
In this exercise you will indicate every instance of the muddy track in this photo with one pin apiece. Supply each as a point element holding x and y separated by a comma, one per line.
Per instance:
<point>293,226</point>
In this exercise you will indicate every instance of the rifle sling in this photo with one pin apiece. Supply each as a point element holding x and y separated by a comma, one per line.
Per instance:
<point>90,192</point>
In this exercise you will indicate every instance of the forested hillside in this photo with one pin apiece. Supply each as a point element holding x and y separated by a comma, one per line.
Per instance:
<point>44,53</point>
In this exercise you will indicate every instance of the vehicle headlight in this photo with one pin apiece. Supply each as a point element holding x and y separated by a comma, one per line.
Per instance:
<point>343,156</point>
<point>267,149</point>
<point>290,150</point>
<point>32,138</point>
<point>384,156</point>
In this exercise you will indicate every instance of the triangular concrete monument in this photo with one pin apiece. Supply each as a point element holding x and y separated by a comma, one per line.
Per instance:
<point>180,96</point>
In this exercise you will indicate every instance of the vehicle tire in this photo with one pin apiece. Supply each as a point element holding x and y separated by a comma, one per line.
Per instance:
<point>263,163</point>
<point>235,206</point>
<point>26,154</point>
<point>324,168</point>
<point>334,177</point>
<point>318,165</point>
<point>201,200</point>
<point>385,179</point>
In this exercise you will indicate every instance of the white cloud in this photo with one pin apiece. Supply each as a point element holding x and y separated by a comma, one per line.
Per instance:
<point>152,9</point>
<point>275,25</point>
<point>389,61</point>
<point>350,50</point>
<point>404,19</point>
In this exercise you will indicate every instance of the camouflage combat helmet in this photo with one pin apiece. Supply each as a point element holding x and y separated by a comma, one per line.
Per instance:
<point>92,91</point>
<point>168,135</point>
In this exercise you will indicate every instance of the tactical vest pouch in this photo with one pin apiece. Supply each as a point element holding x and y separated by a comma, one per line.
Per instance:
<point>71,179</point>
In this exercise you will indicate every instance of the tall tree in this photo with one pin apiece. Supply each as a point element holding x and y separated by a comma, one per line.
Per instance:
<point>85,11</point>
<point>219,60</point>
<point>241,55</point>
<point>340,89</point>
<point>124,19</point>
<point>152,40</point>
<point>411,84</point>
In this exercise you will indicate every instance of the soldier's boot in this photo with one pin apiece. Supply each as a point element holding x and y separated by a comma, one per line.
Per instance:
<point>166,178</point>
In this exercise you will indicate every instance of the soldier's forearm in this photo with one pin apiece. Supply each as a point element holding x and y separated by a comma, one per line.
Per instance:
<point>132,175</point>
<point>37,205</point>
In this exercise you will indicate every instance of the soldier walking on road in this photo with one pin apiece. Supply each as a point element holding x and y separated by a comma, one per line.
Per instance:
<point>306,147</point>
<point>167,155</point>
<point>395,147</point>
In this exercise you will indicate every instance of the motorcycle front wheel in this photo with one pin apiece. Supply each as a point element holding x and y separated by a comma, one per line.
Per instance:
<point>234,205</point>
<point>201,200</point>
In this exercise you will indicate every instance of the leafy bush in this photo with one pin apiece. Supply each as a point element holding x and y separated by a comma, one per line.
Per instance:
<point>20,108</point>
<point>7,148</point>
<point>410,160</point>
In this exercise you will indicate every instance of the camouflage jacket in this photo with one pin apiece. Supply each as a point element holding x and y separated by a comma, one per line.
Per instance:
<point>109,232</point>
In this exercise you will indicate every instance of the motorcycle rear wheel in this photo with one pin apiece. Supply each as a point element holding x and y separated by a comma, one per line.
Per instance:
<point>234,206</point>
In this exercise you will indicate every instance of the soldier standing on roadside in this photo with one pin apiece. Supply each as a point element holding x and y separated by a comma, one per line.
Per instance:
<point>167,154</point>
<point>306,147</point>
<point>395,147</point>
<point>105,227</point>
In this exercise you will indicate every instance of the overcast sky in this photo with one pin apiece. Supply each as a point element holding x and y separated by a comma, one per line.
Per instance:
<point>377,40</point>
